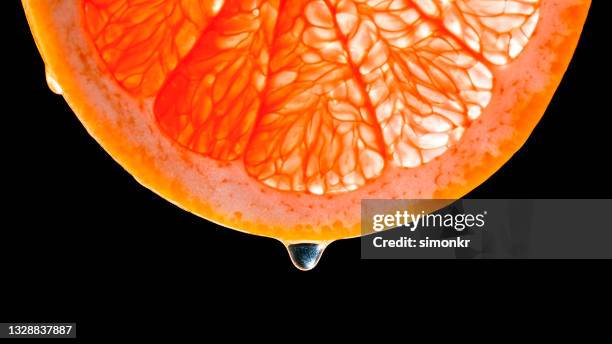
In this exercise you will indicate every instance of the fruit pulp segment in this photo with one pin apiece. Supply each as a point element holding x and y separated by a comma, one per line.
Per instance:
<point>313,95</point>
<point>141,41</point>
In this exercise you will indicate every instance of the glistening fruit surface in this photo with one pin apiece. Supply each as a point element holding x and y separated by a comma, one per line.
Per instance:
<point>119,102</point>
<point>314,95</point>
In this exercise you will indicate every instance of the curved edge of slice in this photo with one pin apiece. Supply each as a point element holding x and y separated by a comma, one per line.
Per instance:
<point>138,162</point>
<point>537,104</point>
<point>141,164</point>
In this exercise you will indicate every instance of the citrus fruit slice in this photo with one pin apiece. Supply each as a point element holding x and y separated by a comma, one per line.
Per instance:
<point>278,117</point>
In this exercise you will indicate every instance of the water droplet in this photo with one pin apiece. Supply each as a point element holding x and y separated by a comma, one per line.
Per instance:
<point>54,86</point>
<point>305,256</point>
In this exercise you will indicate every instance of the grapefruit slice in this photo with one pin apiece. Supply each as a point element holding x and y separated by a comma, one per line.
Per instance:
<point>277,117</point>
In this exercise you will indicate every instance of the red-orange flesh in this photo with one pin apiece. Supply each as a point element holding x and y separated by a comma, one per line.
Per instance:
<point>277,118</point>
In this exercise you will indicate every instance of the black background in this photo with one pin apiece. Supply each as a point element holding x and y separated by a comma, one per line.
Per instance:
<point>76,225</point>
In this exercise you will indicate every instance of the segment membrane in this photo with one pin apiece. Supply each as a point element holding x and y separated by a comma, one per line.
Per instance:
<point>316,132</point>
<point>423,86</point>
<point>497,29</point>
<point>210,102</point>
